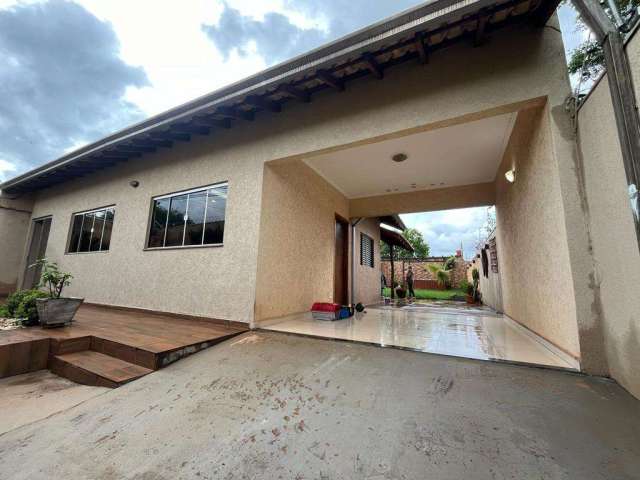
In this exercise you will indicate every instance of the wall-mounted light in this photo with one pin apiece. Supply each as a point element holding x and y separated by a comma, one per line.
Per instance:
<point>510,175</point>
<point>134,183</point>
<point>399,157</point>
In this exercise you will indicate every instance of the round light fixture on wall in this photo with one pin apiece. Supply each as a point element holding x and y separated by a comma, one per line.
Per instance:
<point>134,183</point>
<point>510,175</point>
<point>399,157</point>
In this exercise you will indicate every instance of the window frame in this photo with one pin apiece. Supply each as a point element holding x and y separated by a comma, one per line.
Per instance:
<point>67,250</point>
<point>202,188</point>
<point>364,236</point>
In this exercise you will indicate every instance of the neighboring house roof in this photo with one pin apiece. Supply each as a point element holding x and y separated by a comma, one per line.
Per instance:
<point>408,36</point>
<point>391,237</point>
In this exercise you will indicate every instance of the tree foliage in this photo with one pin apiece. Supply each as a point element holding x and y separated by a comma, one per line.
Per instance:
<point>588,59</point>
<point>417,241</point>
<point>52,278</point>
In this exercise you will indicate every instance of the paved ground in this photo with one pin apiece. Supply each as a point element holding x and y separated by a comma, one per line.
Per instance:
<point>269,405</point>
<point>453,329</point>
<point>34,396</point>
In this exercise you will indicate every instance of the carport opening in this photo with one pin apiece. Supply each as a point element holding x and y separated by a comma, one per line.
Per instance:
<point>328,215</point>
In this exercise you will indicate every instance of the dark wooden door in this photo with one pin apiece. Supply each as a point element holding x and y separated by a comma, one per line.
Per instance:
<point>37,250</point>
<point>341,270</point>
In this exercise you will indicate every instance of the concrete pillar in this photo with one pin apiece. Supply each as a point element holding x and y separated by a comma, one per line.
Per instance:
<point>586,287</point>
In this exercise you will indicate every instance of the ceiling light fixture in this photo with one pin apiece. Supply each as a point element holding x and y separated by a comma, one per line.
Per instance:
<point>399,157</point>
<point>510,175</point>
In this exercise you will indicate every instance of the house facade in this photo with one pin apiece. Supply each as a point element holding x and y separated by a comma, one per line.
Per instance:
<point>255,201</point>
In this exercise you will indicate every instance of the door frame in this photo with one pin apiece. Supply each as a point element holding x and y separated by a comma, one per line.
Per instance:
<point>345,261</point>
<point>29,245</point>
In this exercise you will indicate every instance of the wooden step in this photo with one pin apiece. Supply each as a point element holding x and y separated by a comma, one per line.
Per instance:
<point>96,369</point>
<point>124,352</point>
<point>61,346</point>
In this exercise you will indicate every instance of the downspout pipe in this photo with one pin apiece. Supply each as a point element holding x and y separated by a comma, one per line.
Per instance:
<point>622,94</point>
<point>354,222</point>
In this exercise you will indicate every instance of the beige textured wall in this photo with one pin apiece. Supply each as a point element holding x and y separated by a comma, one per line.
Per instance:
<point>297,232</point>
<point>14,227</point>
<point>533,258</point>
<point>482,194</point>
<point>367,286</point>
<point>616,267</point>
<point>215,282</point>
<point>491,285</point>
<point>470,83</point>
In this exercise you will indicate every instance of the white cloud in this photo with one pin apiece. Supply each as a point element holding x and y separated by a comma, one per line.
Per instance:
<point>446,230</point>
<point>5,167</point>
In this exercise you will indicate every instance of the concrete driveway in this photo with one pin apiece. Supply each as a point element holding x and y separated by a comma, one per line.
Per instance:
<point>269,405</point>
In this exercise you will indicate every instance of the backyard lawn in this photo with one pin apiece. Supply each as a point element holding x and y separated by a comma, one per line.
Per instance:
<point>433,294</point>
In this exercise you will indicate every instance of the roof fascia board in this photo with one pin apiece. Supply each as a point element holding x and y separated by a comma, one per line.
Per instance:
<point>402,24</point>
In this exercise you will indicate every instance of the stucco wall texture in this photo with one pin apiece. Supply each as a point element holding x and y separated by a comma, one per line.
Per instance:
<point>367,286</point>
<point>534,264</point>
<point>490,286</point>
<point>297,240</point>
<point>221,282</point>
<point>14,224</point>
<point>211,281</point>
<point>616,260</point>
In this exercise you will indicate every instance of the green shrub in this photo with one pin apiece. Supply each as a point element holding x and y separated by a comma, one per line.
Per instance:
<point>22,304</point>
<point>466,287</point>
<point>4,311</point>
<point>13,301</point>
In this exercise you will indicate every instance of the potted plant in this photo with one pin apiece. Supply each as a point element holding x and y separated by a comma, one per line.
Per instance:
<point>467,288</point>
<point>401,295</point>
<point>55,310</point>
<point>475,275</point>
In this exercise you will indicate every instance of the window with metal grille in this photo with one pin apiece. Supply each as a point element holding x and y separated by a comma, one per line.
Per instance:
<point>91,231</point>
<point>366,250</point>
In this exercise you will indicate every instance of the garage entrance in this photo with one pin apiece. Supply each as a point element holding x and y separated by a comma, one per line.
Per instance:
<point>503,158</point>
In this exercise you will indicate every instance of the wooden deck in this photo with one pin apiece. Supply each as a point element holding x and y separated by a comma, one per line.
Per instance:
<point>110,346</point>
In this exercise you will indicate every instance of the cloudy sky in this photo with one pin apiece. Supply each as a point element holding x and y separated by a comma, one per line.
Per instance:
<point>73,72</point>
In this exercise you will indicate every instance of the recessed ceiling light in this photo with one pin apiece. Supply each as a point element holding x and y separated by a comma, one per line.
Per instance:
<point>399,157</point>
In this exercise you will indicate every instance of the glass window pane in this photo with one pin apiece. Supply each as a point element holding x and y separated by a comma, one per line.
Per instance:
<point>108,227</point>
<point>96,233</point>
<point>75,233</point>
<point>175,225</point>
<point>85,235</point>
<point>195,218</point>
<point>214,221</point>
<point>158,222</point>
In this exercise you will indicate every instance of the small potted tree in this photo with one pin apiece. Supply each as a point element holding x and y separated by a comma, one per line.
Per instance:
<point>55,310</point>
<point>467,288</point>
<point>401,295</point>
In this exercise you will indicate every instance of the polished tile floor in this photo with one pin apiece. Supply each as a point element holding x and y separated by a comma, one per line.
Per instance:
<point>478,333</point>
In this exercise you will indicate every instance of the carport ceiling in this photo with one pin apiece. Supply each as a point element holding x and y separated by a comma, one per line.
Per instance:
<point>463,154</point>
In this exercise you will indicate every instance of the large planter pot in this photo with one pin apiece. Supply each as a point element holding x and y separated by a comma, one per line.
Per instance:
<point>57,312</point>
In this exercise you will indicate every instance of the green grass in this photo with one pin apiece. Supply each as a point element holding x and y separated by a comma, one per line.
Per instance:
<point>433,294</point>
